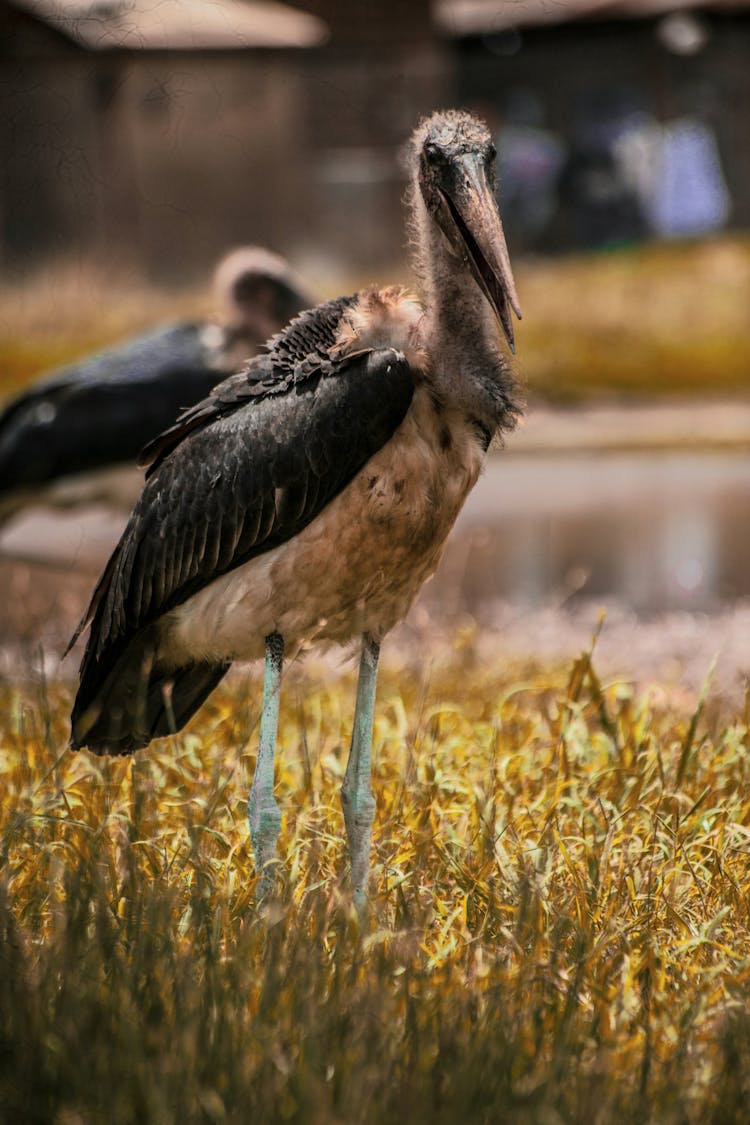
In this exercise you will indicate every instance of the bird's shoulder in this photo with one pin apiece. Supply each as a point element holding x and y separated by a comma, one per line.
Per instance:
<point>304,345</point>
<point>319,343</point>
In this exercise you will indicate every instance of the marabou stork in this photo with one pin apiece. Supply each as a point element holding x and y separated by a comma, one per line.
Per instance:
<point>65,440</point>
<point>309,496</point>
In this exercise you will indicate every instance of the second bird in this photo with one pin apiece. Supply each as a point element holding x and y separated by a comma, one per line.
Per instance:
<point>74,435</point>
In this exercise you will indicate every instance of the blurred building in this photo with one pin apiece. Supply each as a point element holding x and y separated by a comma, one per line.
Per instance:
<point>159,131</point>
<point>620,119</point>
<point>162,133</point>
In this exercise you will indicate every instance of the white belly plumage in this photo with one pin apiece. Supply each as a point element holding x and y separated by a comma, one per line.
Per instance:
<point>356,568</point>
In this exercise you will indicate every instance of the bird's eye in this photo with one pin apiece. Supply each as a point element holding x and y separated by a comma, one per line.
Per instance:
<point>491,152</point>
<point>432,152</point>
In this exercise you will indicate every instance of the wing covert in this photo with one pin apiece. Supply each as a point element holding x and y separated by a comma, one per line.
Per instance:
<point>246,482</point>
<point>301,352</point>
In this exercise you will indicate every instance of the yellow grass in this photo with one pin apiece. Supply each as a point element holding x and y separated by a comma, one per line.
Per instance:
<point>559,930</point>
<point>655,320</point>
<point>661,319</point>
<point>70,309</point>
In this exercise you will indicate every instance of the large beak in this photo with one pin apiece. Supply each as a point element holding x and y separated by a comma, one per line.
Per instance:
<point>470,220</point>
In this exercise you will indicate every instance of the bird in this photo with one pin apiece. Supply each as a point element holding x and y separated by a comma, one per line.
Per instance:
<point>64,441</point>
<point>308,497</point>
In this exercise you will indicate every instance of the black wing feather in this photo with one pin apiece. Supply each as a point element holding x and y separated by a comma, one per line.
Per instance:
<point>102,411</point>
<point>238,475</point>
<point>300,354</point>
<point>308,445</point>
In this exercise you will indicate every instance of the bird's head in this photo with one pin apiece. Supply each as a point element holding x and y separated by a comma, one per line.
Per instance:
<point>456,178</point>
<point>258,292</point>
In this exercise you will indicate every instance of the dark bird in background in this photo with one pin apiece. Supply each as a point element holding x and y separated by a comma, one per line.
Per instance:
<point>65,440</point>
<point>308,498</point>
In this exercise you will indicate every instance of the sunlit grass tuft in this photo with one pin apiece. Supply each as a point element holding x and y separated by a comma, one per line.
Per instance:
<point>559,925</point>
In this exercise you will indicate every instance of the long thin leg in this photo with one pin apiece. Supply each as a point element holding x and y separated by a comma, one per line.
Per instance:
<point>356,794</point>
<point>262,811</point>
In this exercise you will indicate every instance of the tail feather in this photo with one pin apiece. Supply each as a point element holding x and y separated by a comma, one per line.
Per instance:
<point>137,700</point>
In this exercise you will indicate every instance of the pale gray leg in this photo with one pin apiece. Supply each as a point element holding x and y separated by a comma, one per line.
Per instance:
<point>356,794</point>
<point>262,811</point>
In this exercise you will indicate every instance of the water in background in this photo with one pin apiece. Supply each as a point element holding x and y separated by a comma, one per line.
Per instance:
<point>658,531</point>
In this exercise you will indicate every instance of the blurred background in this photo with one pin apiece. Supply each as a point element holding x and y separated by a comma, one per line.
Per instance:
<point>140,141</point>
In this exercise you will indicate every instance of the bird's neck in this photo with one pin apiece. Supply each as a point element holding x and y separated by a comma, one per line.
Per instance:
<point>467,366</point>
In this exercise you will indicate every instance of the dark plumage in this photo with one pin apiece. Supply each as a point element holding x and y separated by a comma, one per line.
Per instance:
<point>241,473</point>
<point>55,429</point>
<point>100,413</point>
<point>308,497</point>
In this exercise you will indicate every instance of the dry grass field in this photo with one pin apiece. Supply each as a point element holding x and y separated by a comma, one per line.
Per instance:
<point>654,320</point>
<point>559,929</point>
<point>643,321</point>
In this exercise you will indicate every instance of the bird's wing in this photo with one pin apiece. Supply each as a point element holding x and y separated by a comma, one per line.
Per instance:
<point>242,473</point>
<point>300,354</point>
<point>103,410</point>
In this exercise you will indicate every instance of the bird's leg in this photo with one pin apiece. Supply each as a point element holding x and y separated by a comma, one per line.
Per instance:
<point>356,794</point>
<point>262,811</point>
